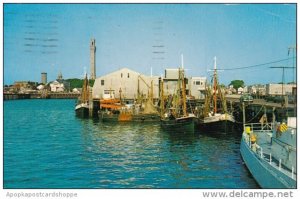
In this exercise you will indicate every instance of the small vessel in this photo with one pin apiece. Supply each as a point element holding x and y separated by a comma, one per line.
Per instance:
<point>215,116</point>
<point>82,106</point>
<point>177,119</point>
<point>113,110</point>
<point>269,151</point>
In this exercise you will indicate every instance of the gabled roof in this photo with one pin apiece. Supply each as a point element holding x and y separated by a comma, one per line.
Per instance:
<point>122,70</point>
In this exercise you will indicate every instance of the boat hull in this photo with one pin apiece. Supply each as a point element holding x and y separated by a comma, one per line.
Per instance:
<point>265,175</point>
<point>222,123</point>
<point>181,125</point>
<point>82,112</point>
<point>223,126</point>
<point>128,117</point>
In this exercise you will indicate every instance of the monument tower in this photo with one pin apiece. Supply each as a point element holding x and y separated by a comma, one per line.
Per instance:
<point>93,58</point>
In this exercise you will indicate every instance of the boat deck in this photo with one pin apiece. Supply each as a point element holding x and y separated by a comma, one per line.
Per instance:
<point>262,149</point>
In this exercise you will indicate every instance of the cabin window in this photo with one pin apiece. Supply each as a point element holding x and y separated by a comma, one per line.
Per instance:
<point>121,75</point>
<point>127,75</point>
<point>102,82</point>
<point>197,82</point>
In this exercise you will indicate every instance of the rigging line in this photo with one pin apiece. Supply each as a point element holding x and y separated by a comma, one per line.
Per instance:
<point>252,117</point>
<point>252,66</point>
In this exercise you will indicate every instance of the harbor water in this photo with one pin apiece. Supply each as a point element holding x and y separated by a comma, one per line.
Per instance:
<point>47,146</point>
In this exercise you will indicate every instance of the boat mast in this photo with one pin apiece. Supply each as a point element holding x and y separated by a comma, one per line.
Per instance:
<point>138,91</point>
<point>85,90</point>
<point>183,87</point>
<point>215,86</point>
<point>151,91</point>
<point>162,102</point>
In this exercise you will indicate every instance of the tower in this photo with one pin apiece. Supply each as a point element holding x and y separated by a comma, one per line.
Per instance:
<point>59,76</point>
<point>44,78</point>
<point>93,58</point>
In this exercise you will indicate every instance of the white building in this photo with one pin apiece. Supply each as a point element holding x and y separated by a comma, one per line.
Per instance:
<point>240,90</point>
<point>126,82</point>
<point>55,86</point>
<point>76,90</point>
<point>40,87</point>
<point>257,89</point>
<point>197,87</point>
<point>276,89</point>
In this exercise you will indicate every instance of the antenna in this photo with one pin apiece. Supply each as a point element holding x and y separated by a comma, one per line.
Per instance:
<point>151,71</point>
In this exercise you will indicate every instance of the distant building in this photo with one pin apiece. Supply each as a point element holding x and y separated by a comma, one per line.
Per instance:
<point>230,90</point>
<point>21,84</point>
<point>93,58</point>
<point>257,89</point>
<point>77,90</point>
<point>24,86</point>
<point>276,89</point>
<point>246,89</point>
<point>44,78</point>
<point>40,87</point>
<point>59,85</point>
<point>56,86</point>
<point>252,89</point>
<point>126,83</point>
<point>240,90</point>
<point>129,82</point>
<point>197,86</point>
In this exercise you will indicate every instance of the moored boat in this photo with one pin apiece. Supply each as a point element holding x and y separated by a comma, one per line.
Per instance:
<point>215,116</point>
<point>181,124</point>
<point>112,110</point>
<point>269,151</point>
<point>82,106</point>
<point>177,119</point>
<point>218,122</point>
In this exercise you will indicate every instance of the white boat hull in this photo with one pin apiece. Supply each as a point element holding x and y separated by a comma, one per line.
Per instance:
<point>265,174</point>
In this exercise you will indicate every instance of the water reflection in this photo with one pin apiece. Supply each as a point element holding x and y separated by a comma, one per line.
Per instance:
<point>124,155</point>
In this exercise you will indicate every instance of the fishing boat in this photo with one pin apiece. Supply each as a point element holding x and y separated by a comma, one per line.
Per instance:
<point>215,116</point>
<point>177,119</point>
<point>114,110</point>
<point>82,106</point>
<point>269,151</point>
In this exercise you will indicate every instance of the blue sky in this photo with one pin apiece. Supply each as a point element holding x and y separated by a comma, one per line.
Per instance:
<point>55,37</point>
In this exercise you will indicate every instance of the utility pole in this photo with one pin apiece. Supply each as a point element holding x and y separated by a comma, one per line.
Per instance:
<point>283,67</point>
<point>293,48</point>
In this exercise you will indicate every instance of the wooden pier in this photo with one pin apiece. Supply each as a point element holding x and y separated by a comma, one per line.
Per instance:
<point>16,96</point>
